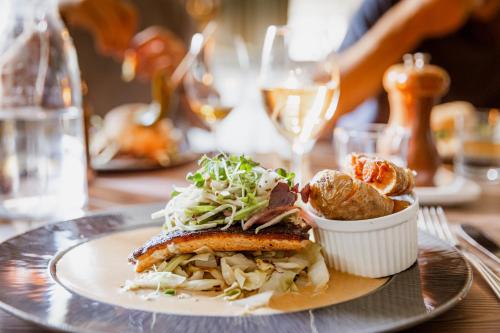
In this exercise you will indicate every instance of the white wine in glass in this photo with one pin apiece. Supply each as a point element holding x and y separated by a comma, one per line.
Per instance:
<point>300,90</point>
<point>300,114</point>
<point>215,82</point>
<point>210,114</point>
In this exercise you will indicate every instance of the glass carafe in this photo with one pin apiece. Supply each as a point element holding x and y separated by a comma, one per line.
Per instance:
<point>42,152</point>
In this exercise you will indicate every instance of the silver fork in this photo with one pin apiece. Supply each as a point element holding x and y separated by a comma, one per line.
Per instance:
<point>434,221</point>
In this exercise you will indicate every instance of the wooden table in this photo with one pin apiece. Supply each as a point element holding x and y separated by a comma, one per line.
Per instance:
<point>478,312</point>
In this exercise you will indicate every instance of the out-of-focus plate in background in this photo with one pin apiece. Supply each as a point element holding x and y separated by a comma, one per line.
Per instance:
<point>130,164</point>
<point>451,189</point>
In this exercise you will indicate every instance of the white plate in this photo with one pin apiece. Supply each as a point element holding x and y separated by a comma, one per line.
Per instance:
<point>451,190</point>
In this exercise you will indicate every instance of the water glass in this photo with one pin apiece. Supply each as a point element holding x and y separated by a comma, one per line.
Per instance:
<point>478,143</point>
<point>381,140</point>
<point>42,151</point>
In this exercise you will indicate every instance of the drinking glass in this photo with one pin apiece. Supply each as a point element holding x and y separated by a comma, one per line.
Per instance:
<point>42,151</point>
<point>299,81</point>
<point>214,84</point>
<point>478,153</point>
<point>381,140</point>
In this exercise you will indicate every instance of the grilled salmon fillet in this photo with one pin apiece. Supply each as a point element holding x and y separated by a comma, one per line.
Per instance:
<point>283,236</point>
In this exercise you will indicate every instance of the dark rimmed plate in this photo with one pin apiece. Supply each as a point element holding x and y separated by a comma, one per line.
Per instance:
<point>440,279</point>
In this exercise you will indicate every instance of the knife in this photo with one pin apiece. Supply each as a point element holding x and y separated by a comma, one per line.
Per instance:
<point>479,241</point>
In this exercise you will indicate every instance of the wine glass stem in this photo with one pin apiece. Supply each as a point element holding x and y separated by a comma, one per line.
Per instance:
<point>215,138</point>
<point>300,164</point>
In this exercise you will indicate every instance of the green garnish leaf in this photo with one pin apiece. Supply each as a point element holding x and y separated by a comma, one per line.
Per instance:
<point>169,292</point>
<point>196,178</point>
<point>232,292</point>
<point>288,176</point>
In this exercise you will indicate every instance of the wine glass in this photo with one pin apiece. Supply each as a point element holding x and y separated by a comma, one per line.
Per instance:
<point>214,84</point>
<point>299,81</point>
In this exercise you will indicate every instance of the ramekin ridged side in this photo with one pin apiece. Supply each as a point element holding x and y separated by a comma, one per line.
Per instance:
<point>372,248</point>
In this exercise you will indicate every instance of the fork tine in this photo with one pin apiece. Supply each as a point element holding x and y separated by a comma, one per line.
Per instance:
<point>425,221</point>
<point>428,222</point>
<point>446,227</point>
<point>441,225</point>
<point>420,220</point>
<point>438,225</point>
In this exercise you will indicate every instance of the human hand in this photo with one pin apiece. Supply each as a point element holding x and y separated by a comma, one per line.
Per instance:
<point>112,22</point>
<point>156,49</point>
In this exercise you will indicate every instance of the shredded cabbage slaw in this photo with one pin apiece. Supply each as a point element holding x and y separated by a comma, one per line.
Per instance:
<point>224,190</point>
<point>237,275</point>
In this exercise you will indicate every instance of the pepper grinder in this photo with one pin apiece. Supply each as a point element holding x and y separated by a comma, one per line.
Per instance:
<point>414,87</point>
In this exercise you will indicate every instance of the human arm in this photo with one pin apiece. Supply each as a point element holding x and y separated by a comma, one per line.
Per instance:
<point>395,33</point>
<point>112,22</point>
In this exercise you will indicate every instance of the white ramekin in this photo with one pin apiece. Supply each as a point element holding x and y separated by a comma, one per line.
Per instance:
<point>373,247</point>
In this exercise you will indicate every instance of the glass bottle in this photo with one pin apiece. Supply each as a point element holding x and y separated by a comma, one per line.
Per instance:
<point>42,154</point>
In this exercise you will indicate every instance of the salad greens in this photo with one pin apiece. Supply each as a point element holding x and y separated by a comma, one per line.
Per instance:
<point>225,189</point>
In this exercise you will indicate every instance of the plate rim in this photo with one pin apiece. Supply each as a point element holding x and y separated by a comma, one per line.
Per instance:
<point>472,194</point>
<point>180,159</point>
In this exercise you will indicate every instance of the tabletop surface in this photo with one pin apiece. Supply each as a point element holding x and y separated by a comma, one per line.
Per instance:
<point>478,312</point>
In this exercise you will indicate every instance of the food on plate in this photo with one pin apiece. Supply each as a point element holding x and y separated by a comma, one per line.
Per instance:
<point>385,176</point>
<point>360,227</point>
<point>274,238</point>
<point>236,230</point>
<point>339,196</point>
<point>120,135</point>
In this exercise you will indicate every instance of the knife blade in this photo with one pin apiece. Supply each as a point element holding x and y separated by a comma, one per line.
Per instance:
<point>480,241</point>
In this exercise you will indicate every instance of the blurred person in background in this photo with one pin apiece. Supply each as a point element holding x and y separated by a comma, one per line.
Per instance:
<point>103,30</point>
<point>462,36</point>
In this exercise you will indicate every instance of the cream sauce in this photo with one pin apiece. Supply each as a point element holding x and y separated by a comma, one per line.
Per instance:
<point>97,269</point>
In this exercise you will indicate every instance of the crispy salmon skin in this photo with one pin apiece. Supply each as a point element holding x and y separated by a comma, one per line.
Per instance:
<point>279,237</point>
